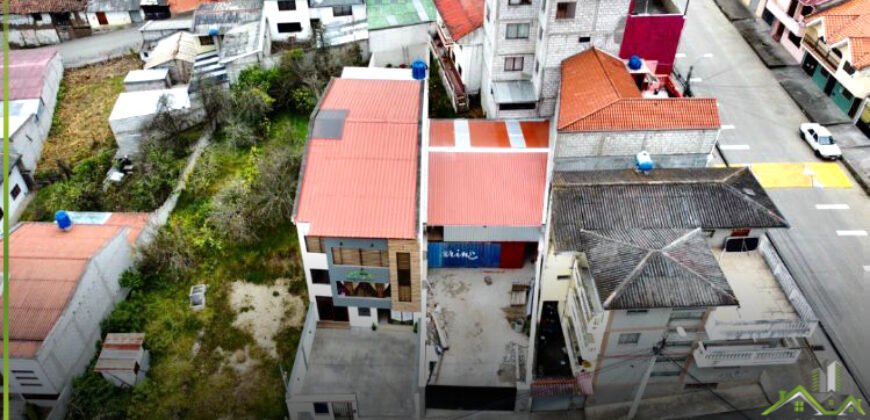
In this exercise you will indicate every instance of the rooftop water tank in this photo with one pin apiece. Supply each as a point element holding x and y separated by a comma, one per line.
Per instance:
<point>61,217</point>
<point>418,70</point>
<point>643,162</point>
<point>214,31</point>
<point>635,63</point>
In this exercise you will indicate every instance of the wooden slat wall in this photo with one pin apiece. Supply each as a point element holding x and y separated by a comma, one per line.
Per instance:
<point>411,247</point>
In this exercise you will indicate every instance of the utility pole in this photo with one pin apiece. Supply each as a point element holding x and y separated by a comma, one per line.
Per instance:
<point>657,350</point>
<point>688,90</point>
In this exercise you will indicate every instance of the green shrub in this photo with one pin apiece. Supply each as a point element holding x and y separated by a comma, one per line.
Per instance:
<point>127,317</point>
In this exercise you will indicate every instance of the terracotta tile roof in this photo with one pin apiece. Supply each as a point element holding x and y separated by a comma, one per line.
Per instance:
<point>598,94</point>
<point>849,20</point>
<point>492,189</point>
<point>27,72</point>
<point>489,133</point>
<point>364,184</point>
<point>23,7</point>
<point>461,17</point>
<point>45,266</point>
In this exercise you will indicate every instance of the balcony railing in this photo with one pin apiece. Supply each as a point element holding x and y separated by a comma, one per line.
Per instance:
<point>730,356</point>
<point>825,54</point>
<point>450,77</point>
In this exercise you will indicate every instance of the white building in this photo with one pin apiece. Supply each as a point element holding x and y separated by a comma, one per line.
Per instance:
<point>337,22</point>
<point>19,188</point>
<point>112,14</point>
<point>288,19</point>
<point>36,23</point>
<point>34,79</point>
<point>65,283</point>
<point>523,45</point>
<point>133,111</point>
<point>637,271</point>
<point>399,33</point>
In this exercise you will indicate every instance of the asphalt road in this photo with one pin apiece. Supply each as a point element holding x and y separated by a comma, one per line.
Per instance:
<point>823,249</point>
<point>99,47</point>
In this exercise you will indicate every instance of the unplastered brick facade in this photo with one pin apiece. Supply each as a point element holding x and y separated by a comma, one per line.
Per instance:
<point>597,23</point>
<point>688,147</point>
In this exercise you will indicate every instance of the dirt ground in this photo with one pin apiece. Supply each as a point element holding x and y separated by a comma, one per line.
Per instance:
<point>81,120</point>
<point>263,309</point>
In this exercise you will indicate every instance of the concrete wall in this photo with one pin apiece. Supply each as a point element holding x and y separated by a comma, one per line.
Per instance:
<point>402,45</point>
<point>469,57</point>
<point>312,261</point>
<point>358,13</point>
<point>301,15</point>
<point>491,234</point>
<point>15,204</point>
<point>684,148</point>
<point>115,20</point>
<point>554,288</point>
<point>70,345</point>
<point>25,31</point>
<point>130,132</point>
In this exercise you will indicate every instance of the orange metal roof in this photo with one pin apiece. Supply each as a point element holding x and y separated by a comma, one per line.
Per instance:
<point>492,189</point>
<point>489,133</point>
<point>364,185</point>
<point>461,17</point>
<point>849,20</point>
<point>598,94</point>
<point>45,266</point>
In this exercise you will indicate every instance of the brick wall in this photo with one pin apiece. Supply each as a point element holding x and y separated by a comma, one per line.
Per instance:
<point>625,143</point>
<point>409,246</point>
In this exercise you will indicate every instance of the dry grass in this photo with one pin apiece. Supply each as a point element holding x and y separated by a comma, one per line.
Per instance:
<point>81,120</point>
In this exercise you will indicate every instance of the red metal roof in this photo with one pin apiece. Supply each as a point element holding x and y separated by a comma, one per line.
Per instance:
<point>492,189</point>
<point>461,17</point>
<point>45,266</point>
<point>598,94</point>
<point>489,133</point>
<point>364,185</point>
<point>27,72</point>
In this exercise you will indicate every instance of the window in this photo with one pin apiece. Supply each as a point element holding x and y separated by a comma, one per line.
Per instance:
<point>320,276</point>
<point>342,11</point>
<point>16,190</point>
<point>207,40</point>
<point>584,39</point>
<point>513,64</point>
<point>540,33</point>
<point>637,311</point>
<point>519,2</point>
<point>321,408</point>
<point>459,69</point>
<point>629,338</point>
<point>794,39</point>
<point>487,13</point>
<point>543,5</point>
<point>517,31</point>
<point>565,10</point>
<point>314,244</point>
<point>537,66</point>
<point>37,17</point>
<point>564,277</point>
<point>517,106</point>
<point>403,275</point>
<point>687,314</point>
<point>364,311</point>
<point>360,257</point>
<point>847,67</point>
<point>30,139</point>
<point>740,232</point>
<point>286,4</point>
<point>289,27</point>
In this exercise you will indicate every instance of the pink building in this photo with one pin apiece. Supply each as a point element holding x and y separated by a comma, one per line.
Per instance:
<point>786,19</point>
<point>652,31</point>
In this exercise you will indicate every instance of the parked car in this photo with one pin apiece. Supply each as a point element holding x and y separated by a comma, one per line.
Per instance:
<point>820,139</point>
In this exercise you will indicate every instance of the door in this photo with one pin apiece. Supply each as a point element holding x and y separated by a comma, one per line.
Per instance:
<point>329,312</point>
<point>820,77</point>
<point>513,255</point>
<point>102,19</point>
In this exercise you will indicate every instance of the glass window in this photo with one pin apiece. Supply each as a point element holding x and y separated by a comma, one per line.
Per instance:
<point>16,190</point>
<point>364,311</point>
<point>826,141</point>
<point>517,31</point>
<point>519,2</point>
<point>289,27</point>
<point>342,11</point>
<point>320,276</point>
<point>321,408</point>
<point>629,338</point>
<point>286,4</point>
<point>513,64</point>
<point>565,10</point>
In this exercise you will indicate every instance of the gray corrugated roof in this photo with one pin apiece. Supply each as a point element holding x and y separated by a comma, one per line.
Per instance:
<point>655,268</point>
<point>225,15</point>
<point>514,91</point>
<point>241,39</point>
<point>666,198</point>
<point>112,5</point>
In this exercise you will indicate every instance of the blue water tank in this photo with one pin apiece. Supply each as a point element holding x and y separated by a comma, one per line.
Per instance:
<point>643,162</point>
<point>61,217</point>
<point>635,63</point>
<point>418,70</point>
<point>214,31</point>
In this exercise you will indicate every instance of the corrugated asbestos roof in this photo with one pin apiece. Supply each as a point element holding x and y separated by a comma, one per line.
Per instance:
<point>655,268</point>
<point>27,72</point>
<point>23,7</point>
<point>45,266</point>
<point>461,17</point>
<point>112,5</point>
<point>598,94</point>
<point>491,189</point>
<point>364,185</point>
<point>665,199</point>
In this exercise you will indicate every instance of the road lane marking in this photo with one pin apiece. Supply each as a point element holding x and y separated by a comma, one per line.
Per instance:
<point>734,146</point>
<point>696,80</point>
<point>851,233</point>
<point>867,268</point>
<point>728,127</point>
<point>832,207</point>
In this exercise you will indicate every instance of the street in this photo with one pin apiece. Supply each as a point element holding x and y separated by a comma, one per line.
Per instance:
<point>99,47</point>
<point>826,248</point>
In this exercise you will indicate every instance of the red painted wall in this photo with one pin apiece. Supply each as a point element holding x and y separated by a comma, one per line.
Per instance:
<point>653,38</point>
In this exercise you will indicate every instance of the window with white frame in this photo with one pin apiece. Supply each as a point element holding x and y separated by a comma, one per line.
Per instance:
<point>513,64</point>
<point>517,31</point>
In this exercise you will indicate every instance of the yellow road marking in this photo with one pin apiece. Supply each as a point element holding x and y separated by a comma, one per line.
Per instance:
<point>799,175</point>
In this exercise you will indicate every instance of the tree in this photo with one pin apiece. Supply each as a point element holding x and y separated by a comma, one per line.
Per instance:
<point>167,122</point>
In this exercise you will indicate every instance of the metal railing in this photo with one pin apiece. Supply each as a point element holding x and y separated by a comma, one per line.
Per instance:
<point>449,75</point>
<point>712,357</point>
<point>822,52</point>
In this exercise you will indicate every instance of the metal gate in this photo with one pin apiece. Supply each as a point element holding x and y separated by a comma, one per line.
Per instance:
<point>342,410</point>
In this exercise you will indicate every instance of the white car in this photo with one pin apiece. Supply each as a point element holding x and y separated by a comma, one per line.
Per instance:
<point>820,139</point>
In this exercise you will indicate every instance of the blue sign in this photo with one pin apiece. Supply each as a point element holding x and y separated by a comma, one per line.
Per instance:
<point>464,254</point>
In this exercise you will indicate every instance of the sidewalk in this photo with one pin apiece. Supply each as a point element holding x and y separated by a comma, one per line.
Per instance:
<point>802,90</point>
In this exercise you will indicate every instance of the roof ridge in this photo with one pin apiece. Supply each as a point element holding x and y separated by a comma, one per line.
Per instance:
<point>628,279</point>
<point>743,196</point>
<point>700,276</point>
<point>594,51</point>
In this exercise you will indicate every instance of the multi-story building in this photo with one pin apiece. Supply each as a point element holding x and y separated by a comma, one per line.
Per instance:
<point>786,18</point>
<point>835,45</point>
<point>458,47</point>
<point>609,112</point>
<point>652,31</point>
<point>672,265</point>
<point>328,22</point>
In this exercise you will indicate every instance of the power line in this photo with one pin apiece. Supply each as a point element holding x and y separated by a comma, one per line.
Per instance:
<point>721,398</point>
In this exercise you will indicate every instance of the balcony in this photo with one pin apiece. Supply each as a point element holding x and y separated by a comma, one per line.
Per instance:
<point>714,356</point>
<point>822,52</point>
<point>364,294</point>
<point>450,77</point>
